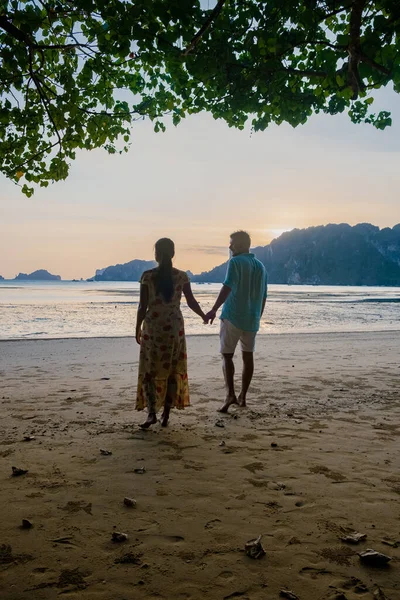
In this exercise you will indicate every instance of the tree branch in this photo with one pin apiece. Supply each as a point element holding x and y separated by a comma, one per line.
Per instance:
<point>44,100</point>
<point>15,32</point>
<point>213,17</point>
<point>32,157</point>
<point>30,42</point>
<point>354,48</point>
<point>369,61</point>
<point>334,13</point>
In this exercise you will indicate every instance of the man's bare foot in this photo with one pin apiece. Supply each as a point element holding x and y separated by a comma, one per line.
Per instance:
<point>228,402</point>
<point>151,419</point>
<point>242,401</point>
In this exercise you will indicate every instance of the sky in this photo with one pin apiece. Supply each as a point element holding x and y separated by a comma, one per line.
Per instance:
<point>197,183</point>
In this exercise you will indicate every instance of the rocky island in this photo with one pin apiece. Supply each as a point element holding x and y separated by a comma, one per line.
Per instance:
<point>39,275</point>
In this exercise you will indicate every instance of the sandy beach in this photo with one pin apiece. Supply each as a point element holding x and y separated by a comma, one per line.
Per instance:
<point>314,457</point>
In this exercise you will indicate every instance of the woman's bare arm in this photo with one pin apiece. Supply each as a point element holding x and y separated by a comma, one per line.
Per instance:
<point>142,310</point>
<point>191,300</point>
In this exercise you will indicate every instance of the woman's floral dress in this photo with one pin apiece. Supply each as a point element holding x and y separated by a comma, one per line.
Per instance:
<point>163,359</point>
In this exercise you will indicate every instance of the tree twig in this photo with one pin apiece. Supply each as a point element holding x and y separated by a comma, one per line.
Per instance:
<point>213,17</point>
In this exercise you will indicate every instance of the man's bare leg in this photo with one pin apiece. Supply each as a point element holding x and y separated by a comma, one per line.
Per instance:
<point>247,374</point>
<point>228,368</point>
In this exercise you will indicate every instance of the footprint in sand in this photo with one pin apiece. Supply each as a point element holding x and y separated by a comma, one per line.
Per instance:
<point>314,572</point>
<point>194,466</point>
<point>226,576</point>
<point>340,555</point>
<point>76,506</point>
<point>253,467</point>
<point>249,437</point>
<point>259,483</point>
<point>211,524</point>
<point>334,475</point>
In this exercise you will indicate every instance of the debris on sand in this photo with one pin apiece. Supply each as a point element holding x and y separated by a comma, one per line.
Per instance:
<point>29,438</point>
<point>74,578</point>
<point>379,594</point>
<point>288,594</point>
<point>63,540</point>
<point>254,548</point>
<point>374,558</point>
<point>26,524</point>
<point>105,452</point>
<point>7,557</point>
<point>390,543</point>
<point>119,537</point>
<point>16,471</point>
<point>140,470</point>
<point>128,559</point>
<point>130,502</point>
<point>219,423</point>
<point>354,538</point>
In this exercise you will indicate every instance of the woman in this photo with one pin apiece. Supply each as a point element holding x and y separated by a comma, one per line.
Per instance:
<point>163,381</point>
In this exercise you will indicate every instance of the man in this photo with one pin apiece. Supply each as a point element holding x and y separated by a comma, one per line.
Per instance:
<point>243,295</point>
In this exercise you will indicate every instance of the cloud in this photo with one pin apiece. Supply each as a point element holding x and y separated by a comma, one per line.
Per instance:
<point>208,249</point>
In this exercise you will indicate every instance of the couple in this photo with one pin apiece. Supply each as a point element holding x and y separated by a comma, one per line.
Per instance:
<point>163,381</point>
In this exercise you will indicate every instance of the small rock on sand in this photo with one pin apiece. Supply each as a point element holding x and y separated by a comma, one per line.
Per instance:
<point>374,558</point>
<point>130,502</point>
<point>16,471</point>
<point>118,536</point>
<point>140,470</point>
<point>26,524</point>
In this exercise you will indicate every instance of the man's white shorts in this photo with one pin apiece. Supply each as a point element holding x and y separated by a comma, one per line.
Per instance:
<point>229,336</point>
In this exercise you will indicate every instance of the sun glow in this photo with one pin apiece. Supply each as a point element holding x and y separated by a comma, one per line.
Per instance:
<point>275,233</point>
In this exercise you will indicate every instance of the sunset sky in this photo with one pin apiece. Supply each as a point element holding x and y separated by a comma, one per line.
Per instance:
<point>198,182</point>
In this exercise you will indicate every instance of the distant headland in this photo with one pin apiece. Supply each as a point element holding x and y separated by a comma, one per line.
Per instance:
<point>335,254</point>
<point>39,275</point>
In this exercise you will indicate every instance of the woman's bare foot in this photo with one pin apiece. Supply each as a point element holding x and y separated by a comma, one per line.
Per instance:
<point>165,418</point>
<point>242,401</point>
<point>228,402</point>
<point>151,419</point>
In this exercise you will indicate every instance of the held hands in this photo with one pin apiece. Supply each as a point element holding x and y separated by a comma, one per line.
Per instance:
<point>210,316</point>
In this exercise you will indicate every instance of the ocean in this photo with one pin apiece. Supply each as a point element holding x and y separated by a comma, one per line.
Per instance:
<point>66,309</point>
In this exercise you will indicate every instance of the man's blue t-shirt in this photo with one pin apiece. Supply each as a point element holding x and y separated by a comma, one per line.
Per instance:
<point>247,278</point>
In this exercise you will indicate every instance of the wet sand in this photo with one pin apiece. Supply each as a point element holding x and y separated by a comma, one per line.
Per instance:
<point>315,456</point>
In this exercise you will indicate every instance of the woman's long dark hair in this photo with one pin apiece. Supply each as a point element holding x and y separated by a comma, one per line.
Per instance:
<point>164,250</point>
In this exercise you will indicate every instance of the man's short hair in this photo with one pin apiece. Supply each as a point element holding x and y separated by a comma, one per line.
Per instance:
<point>241,238</point>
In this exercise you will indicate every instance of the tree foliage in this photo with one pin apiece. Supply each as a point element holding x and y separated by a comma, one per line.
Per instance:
<point>76,74</point>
